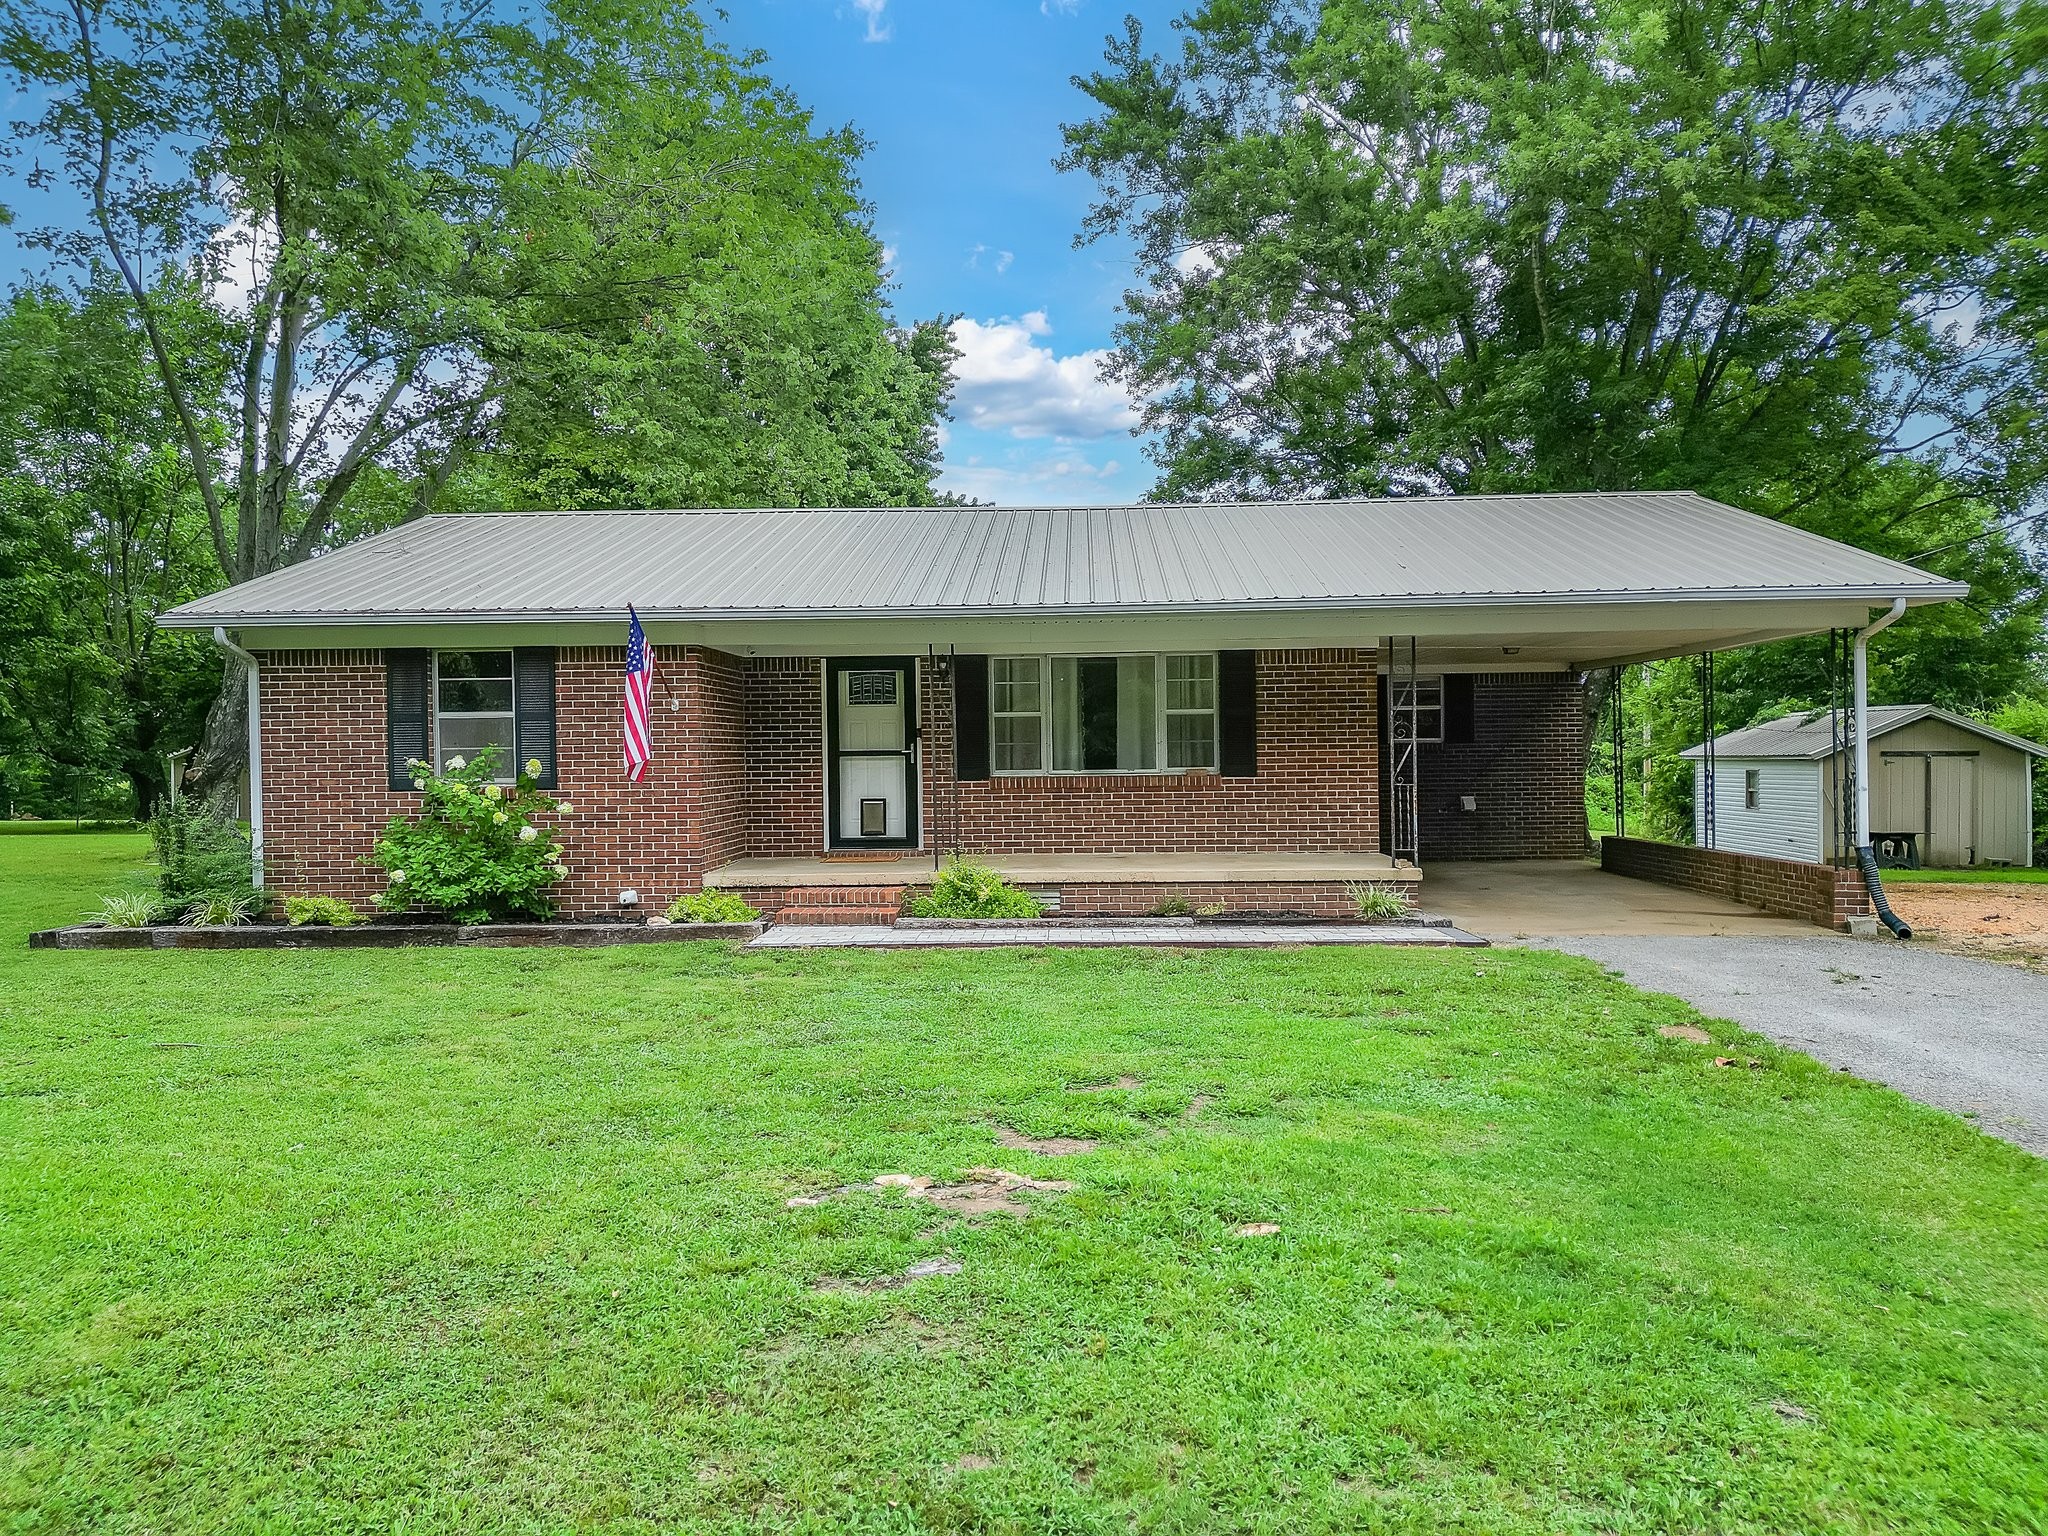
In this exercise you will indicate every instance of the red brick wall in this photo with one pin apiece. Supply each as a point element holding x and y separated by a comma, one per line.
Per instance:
<point>1315,790</point>
<point>1525,769</point>
<point>1814,893</point>
<point>785,756</point>
<point>325,798</point>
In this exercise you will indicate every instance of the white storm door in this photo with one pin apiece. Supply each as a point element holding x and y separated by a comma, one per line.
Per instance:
<point>873,739</point>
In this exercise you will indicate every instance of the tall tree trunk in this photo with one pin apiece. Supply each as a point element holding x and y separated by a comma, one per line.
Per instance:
<point>213,774</point>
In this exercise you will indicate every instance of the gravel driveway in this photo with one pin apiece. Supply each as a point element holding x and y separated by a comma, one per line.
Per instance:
<point>1965,1035</point>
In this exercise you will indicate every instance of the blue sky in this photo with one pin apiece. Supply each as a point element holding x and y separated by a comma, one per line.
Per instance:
<point>961,102</point>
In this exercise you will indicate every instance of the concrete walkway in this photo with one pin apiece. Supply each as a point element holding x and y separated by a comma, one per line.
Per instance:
<point>1964,1035</point>
<point>1206,936</point>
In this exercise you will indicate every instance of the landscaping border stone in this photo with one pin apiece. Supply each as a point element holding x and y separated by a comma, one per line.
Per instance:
<point>387,935</point>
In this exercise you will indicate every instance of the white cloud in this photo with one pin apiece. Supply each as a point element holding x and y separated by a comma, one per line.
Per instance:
<point>888,256</point>
<point>1060,479</point>
<point>1058,7</point>
<point>1002,258</point>
<point>1006,381</point>
<point>878,31</point>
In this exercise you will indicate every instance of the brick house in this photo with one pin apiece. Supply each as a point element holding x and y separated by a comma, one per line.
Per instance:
<point>1251,706</point>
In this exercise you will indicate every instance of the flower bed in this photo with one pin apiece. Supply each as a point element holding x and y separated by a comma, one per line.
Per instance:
<point>385,935</point>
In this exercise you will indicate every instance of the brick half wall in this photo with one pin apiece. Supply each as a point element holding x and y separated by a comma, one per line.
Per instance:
<point>1814,893</point>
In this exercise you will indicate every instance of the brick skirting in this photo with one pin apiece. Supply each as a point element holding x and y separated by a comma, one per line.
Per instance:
<point>1087,898</point>
<point>1814,893</point>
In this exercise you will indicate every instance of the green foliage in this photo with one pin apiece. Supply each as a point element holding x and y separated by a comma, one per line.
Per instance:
<point>1173,906</point>
<point>1379,903</point>
<point>478,851</point>
<point>711,905</point>
<point>965,888</point>
<point>99,532</point>
<point>1390,246</point>
<point>328,911</point>
<point>556,254</point>
<point>200,853</point>
<point>221,909</point>
<point>130,909</point>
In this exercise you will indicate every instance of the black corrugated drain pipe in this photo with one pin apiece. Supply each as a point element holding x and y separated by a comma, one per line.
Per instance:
<point>1867,862</point>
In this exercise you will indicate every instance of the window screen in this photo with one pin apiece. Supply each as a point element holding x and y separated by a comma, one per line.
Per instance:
<point>1102,714</point>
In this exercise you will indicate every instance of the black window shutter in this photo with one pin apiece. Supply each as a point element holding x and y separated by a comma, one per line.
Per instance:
<point>405,714</point>
<point>970,717</point>
<point>533,710</point>
<point>1237,713</point>
<point>1459,728</point>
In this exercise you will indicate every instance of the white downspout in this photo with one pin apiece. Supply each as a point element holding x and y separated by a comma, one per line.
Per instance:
<point>249,672</point>
<point>1862,685</point>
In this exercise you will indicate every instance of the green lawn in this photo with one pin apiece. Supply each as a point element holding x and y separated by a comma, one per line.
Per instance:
<point>444,1241</point>
<point>1982,874</point>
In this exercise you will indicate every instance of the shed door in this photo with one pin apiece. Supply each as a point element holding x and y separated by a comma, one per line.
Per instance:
<point>1900,802</point>
<point>1952,810</point>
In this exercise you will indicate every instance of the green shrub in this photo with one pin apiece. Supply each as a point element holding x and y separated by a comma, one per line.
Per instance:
<point>221,909</point>
<point>1173,906</point>
<point>711,905</point>
<point>329,911</point>
<point>476,851</point>
<point>201,852</point>
<point>967,889</point>
<point>1379,903</point>
<point>130,909</point>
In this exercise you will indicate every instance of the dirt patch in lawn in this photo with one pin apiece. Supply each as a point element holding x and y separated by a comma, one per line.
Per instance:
<point>1046,1146</point>
<point>1124,1084</point>
<point>923,1269</point>
<point>1995,922</point>
<point>978,1192</point>
<point>1690,1032</point>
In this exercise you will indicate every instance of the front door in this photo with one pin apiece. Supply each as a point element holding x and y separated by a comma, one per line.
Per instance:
<point>871,744</point>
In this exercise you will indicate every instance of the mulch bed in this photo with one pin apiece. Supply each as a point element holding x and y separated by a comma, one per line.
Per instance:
<point>380,935</point>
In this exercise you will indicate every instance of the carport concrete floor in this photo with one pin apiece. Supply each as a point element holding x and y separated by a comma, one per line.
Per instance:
<point>1965,1035</point>
<point>1542,898</point>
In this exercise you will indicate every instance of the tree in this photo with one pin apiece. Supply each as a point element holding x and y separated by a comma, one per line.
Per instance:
<point>1779,254</point>
<point>100,531</point>
<point>571,236</point>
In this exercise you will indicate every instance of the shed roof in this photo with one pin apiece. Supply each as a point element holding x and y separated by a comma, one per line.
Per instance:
<point>990,561</point>
<point>1810,735</point>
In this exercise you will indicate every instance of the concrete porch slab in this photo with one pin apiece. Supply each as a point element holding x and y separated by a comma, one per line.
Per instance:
<point>1030,869</point>
<point>1554,898</point>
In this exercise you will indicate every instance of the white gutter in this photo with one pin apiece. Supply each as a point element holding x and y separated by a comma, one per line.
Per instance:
<point>1862,674</point>
<point>249,672</point>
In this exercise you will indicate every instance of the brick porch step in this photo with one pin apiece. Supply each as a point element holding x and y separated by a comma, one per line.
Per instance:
<point>845,905</point>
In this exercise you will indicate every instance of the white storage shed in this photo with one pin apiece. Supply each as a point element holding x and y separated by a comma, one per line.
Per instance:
<point>1944,790</point>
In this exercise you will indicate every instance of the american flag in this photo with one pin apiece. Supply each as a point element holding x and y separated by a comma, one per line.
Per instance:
<point>639,679</point>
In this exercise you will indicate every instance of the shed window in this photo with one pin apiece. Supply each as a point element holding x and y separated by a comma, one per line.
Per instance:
<point>473,708</point>
<point>1102,714</point>
<point>1752,788</point>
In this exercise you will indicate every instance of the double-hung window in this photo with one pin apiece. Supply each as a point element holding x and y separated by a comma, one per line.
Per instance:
<point>473,708</point>
<point>1102,714</point>
<point>1418,703</point>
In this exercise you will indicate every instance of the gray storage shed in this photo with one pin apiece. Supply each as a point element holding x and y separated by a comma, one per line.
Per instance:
<point>1946,789</point>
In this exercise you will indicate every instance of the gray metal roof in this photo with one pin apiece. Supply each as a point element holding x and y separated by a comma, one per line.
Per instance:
<point>1808,735</point>
<point>857,563</point>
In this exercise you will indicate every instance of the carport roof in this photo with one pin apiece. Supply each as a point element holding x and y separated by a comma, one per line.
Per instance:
<point>1408,553</point>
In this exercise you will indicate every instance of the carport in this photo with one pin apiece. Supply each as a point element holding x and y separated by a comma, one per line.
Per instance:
<point>1536,899</point>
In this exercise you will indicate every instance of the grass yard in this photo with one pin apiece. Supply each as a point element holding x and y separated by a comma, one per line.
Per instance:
<point>437,1241</point>
<point>1981,874</point>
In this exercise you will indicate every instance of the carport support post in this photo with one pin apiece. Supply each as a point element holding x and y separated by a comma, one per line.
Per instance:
<point>1860,667</point>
